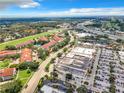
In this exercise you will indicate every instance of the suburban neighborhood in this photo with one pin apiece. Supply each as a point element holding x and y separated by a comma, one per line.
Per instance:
<point>61,54</point>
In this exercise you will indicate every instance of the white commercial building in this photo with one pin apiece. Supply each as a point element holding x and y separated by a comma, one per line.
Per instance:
<point>48,89</point>
<point>77,63</point>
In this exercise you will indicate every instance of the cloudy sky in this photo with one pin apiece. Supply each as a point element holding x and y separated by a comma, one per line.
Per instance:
<point>59,8</point>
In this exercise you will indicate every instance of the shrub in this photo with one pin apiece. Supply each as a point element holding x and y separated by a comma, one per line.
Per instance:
<point>52,60</point>
<point>82,89</point>
<point>68,76</point>
<point>14,66</point>
<point>70,90</point>
<point>59,54</point>
<point>30,65</point>
<point>12,87</point>
<point>55,48</point>
<point>40,84</point>
<point>65,49</point>
<point>86,83</point>
<point>15,56</point>
<point>10,47</point>
<point>43,54</point>
<point>47,67</point>
<point>28,71</point>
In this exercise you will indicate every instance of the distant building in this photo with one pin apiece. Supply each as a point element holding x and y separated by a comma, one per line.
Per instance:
<point>7,73</point>
<point>65,25</point>
<point>26,55</point>
<point>83,34</point>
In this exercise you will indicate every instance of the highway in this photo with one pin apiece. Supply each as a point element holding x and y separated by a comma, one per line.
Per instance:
<point>114,37</point>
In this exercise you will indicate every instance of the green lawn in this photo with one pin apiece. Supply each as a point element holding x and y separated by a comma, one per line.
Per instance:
<point>5,63</point>
<point>18,41</point>
<point>24,76</point>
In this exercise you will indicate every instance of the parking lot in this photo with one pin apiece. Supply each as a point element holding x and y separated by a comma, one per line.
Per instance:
<point>102,78</point>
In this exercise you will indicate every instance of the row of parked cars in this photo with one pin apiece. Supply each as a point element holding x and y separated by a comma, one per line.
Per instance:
<point>103,73</point>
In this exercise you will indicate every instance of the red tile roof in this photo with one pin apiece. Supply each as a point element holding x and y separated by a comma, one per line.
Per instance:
<point>25,43</point>
<point>6,53</point>
<point>43,39</point>
<point>57,38</point>
<point>7,72</point>
<point>26,55</point>
<point>51,43</point>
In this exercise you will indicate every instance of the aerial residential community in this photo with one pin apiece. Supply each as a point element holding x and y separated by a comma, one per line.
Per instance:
<point>81,56</point>
<point>61,46</point>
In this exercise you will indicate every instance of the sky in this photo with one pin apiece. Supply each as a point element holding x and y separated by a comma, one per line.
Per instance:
<point>60,8</point>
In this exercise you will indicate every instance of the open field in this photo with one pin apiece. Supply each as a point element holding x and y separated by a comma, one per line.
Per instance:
<point>24,76</point>
<point>18,41</point>
<point>5,63</point>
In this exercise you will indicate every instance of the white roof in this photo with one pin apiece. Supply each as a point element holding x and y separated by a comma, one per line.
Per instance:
<point>87,43</point>
<point>84,51</point>
<point>70,55</point>
<point>48,89</point>
<point>121,54</point>
<point>83,34</point>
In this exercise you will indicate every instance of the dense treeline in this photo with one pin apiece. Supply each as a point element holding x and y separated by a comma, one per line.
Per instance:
<point>12,87</point>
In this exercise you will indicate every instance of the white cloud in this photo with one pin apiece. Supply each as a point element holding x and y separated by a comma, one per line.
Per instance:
<point>29,5</point>
<point>21,3</point>
<point>70,12</point>
<point>86,12</point>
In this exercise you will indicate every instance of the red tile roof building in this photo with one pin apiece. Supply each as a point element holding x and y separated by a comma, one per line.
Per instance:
<point>7,53</point>
<point>25,43</point>
<point>7,73</point>
<point>43,39</point>
<point>26,55</point>
<point>48,45</point>
<point>55,40</point>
